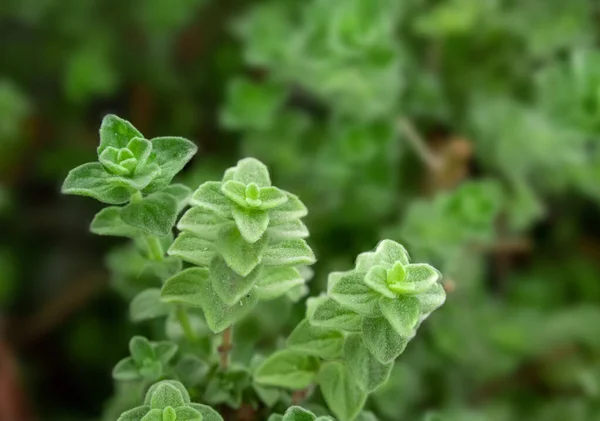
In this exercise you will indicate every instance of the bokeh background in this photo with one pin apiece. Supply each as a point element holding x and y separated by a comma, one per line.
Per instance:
<point>469,130</point>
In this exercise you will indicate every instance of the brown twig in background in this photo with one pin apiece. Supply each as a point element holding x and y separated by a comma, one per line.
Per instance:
<point>505,245</point>
<point>225,347</point>
<point>419,145</point>
<point>299,396</point>
<point>13,404</point>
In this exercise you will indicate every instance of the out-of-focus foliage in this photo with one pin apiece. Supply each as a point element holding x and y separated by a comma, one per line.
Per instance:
<point>505,94</point>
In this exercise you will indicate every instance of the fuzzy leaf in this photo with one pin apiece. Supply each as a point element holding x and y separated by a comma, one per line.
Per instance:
<point>228,285</point>
<point>363,367</point>
<point>202,223</point>
<point>351,292</point>
<point>148,305</point>
<point>126,370</point>
<point>287,369</point>
<point>108,222</point>
<point>287,230</point>
<point>317,341</point>
<point>293,208</point>
<point>419,278</point>
<point>181,193</point>
<point>208,196</point>
<point>330,314</point>
<point>376,279</point>
<point>187,287</point>
<point>165,351</point>
<point>402,313</point>
<point>173,384</point>
<point>342,394</point>
<point>386,254</point>
<point>141,150</point>
<point>154,415</point>
<point>141,349</point>
<point>192,249</point>
<point>251,223</point>
<point>432,299</point>
<point>172,153</point>
<point>92,180</point>
<point>290,253</point>
<point>219,316</point>
<point>250,170</point>
<point>165,394</point>
<point>297,413</point>
<point>187,413</point>
<point>382,340</point>
<point>235,191</point>
<point>273,282</point>
<point>135,414</point>
<point>271,197</point>
<point>208,414</point>
<point>116,132</point>
<point>240,256</point>
<point>155,214</point>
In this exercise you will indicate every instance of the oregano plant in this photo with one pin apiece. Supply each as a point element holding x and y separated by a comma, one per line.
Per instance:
<point>242,242</point>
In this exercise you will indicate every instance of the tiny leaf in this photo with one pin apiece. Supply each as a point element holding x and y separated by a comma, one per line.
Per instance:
<point>116,132</point>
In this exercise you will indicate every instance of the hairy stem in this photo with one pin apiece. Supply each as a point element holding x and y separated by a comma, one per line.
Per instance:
<point>225,347</point>
<point>186,325</point>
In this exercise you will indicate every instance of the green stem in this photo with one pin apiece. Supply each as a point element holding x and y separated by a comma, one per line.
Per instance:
<point>155,248</point>
<point>184,321</point>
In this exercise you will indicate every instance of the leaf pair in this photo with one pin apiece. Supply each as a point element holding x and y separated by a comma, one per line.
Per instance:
<point>148,360</point>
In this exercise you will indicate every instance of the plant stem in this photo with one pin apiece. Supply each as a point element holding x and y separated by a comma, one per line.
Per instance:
<point>155,249</point>
<point>184,321</point>
<point>419,145</point>
<point>225,347</point>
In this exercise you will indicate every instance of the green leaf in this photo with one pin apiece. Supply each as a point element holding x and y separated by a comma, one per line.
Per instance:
<point>172,154</point>
<point>432,299</point>
<point>297,413</point>
<point>382,340</point>
<point>116,132</point>
<point>376,279</point>
<point>181,193</point>
<point>208,196</point>
<point>363,367</point>
<point>154,415</point>
<point>140,179</point>
<point>271,197</point>
<point>402,312</point>
<point>275,417</point>
<point>135,414</point>
<point>151,370</point>
<point>219,316</point>
<point>419,278</point>
<point>92,180</point>
<point>141,349</point>
<point>166,394</point>
<point>293,208</point>
<point>187,287</point>
<point>148,305</point>
<point>203,223</point>
<point>187,413</point>
<point>342,394</point>
<point>190,369</point>
<point>165,351</point>
<point>140,149</point>
<point>317,341</point>
<point>108,222</point>
<point>386,254</point>
<point>328,313</point>
<point>287,230</point>
<point>161,269</point>
<point>251,170</point>
<point>287,369</point>
<point>208,414</point>
<point>192,249</point>
<point>155,214</point>
<point>235,191</point>
<point>273,282</point>
<point>251,223</point>
<point>240,256</point>
<point>109,160</point>
<point>351,292</point>
<point>126,370</point>
<point>228,285</point>
<point>290,253</point>
<point>268,395</point>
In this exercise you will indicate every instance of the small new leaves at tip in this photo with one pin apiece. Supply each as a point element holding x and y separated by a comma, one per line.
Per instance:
<point>148,360</point>
<point>128,163</point>
<point>297,413</point>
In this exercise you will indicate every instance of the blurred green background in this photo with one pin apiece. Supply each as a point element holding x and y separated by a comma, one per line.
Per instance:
<point>468,130</point>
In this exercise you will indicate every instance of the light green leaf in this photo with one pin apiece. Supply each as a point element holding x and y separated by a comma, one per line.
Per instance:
<point>116,132</point>
<point>135,414</point>
<point>172,153</point>
<point>290,252</point>
<point>287,369</point>
<point>187,413</point>
<point>208,414</point>
<point>141,349</point>
<point>386,254</point>
<point>181,193</point>
<point>140,149</point>
<point>148,305</point>
<point>297,413</point>
<point>151,370</point>
<point>162,269</point>
<point>382,340</point>
<point>158,389</point>
<point>202,223</point>
<point>293,208</point>
<point>235,191</point>
<point>165,394</point>
<point>251,223</point>
<point>273,282</point>
<point>92,180</point>
<point>419,278</point>
<point>432,299</point>
<point>228,285</point>
<point>402,312</point>
<point>342,394</point>
<point>109,160</point>
<point>351,292</point>
<point>219,316</point>
<point>208,196</point>
<point>192,249</point>
<point>140,179</point>
<point>317,341</point>
<point>268,395</point>
<point>108,222</point>
<point>376,279</point>
<point>165,351</point>
<point>251,170</point>
<point>271,197</point>
<point>240,256</point>
<point>363,367</point>
<point>187,287</point>
<point>126,370</point>
<point>328,313</point>
<point>155,214</point>
<point>154,415</point>
<point>287,230</point>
